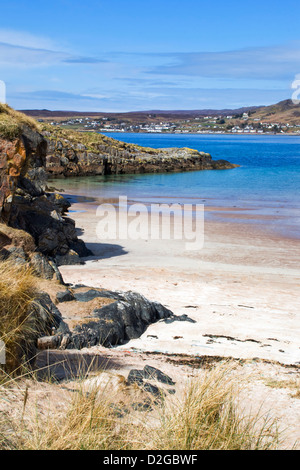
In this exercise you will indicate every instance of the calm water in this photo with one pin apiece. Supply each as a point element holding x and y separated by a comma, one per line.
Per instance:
<point>267,182</point>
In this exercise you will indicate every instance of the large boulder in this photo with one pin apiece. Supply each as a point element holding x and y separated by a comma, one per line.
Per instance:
<point>126,317</point>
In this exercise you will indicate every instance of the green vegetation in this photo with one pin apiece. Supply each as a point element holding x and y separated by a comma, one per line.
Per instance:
<point>11,122</point>
<point>91,140</point>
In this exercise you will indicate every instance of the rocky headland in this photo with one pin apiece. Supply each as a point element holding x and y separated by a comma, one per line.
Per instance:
<point>88,153</point>
<point>34,225</point>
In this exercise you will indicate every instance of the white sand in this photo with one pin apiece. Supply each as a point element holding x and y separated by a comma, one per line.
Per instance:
<point>242,288</point>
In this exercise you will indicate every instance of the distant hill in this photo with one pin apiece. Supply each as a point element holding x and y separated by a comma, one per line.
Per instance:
<point>137,116</point>
<point>283,112</point>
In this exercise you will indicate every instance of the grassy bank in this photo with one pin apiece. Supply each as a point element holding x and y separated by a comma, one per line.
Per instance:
<point>11,122</point>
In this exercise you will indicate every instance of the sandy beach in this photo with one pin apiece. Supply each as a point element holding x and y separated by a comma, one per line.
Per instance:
<point>241,289</point>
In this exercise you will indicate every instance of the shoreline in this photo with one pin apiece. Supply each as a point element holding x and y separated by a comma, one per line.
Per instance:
<point>245,215</point>
<point>197,133</point>
<point>240,289</point>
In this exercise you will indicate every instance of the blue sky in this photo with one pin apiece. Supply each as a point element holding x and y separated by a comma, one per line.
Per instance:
<point>120,55</point>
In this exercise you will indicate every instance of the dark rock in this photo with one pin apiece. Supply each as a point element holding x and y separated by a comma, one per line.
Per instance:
<point>79,247</point>
<point>153,389</point>
<point>41,266</point>
<point>114,323</point>
<point>50,316</point>
<point>92,294</point>
<point>24,203</point>
<point>126,318</point>
<point>65,296</point>
<point>180,318</point>
<point>69,259</point>
<point>135,376</point>
<point>156,374</point>
<point>149,372</point>
<point>109,325</point>
<point>59,202</point>
<point>119,412</point>
<point>16,254</point>
<point>142,406</point>
<point>56,270</point>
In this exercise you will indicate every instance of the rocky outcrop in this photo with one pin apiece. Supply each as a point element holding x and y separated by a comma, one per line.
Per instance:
<point>34,228</point>
<point>80,154</point>
<point>12,161</point>
<point>126,317</point>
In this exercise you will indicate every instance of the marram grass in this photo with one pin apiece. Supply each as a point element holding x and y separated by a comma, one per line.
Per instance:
<point>205,416</point>
<point>18,323</point>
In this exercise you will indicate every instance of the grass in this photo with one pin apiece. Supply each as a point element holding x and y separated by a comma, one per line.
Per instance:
<point>18,324</point>
<point>203,417</point>
<point>12,122</point>
<point>293,385</point>
<point>93,141</point>
<point>207,418</point>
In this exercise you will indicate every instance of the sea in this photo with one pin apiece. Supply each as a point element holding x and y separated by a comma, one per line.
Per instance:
<point>266,185</point>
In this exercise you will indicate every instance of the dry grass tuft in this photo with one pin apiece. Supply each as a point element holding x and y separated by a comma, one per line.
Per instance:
<point>207,418</point>
<point>18,324</point>
<point>11,122</point>
<point>203,417</point>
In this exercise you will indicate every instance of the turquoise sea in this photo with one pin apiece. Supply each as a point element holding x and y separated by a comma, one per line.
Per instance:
<point>266,185</point>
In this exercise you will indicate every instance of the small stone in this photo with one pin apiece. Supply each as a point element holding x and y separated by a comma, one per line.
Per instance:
<point>65,296</point>
<point>48,342</point>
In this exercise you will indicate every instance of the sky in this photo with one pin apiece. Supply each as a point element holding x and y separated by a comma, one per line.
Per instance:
<point>131,55</point>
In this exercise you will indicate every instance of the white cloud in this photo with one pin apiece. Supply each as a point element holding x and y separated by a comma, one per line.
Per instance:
<point>25,39</point>
<point>271,63</point>
<point>19,56</point>
<point>21,49</point>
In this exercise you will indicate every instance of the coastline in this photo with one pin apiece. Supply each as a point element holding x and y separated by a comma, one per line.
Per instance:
<point>296,134</point>
<point>233,300</point>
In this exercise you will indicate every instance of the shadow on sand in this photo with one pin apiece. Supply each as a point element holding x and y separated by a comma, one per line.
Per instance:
<point>71,364</point>
<point>105,251</point>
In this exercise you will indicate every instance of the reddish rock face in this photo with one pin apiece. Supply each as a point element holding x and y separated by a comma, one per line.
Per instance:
<point>33,230</point>
<point>12,161</point>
